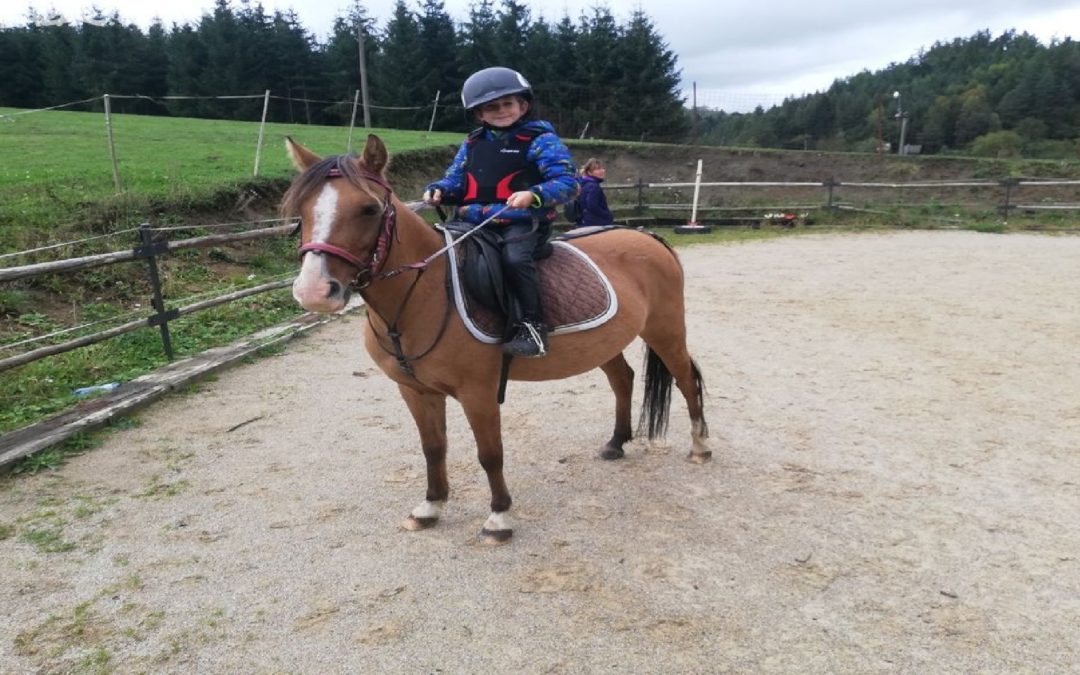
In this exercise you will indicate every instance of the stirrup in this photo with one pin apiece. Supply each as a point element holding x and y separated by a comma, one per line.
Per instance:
<point>529,342</point>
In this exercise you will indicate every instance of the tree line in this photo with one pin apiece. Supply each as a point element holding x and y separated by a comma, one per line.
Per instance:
<point>617,80</point>
<point>1004,96</point>
<point>1009,95</point>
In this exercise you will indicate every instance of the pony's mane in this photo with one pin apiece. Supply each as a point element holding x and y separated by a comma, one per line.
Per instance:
<point>347,166</point>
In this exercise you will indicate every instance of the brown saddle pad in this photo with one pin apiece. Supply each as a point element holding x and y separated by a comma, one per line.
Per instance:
<point>575,295</point>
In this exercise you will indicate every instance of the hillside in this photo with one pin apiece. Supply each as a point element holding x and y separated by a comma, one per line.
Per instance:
<point>659,163</point>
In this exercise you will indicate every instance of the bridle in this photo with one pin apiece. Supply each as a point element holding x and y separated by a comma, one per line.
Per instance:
<point>368,270</point>
<point>371,270</point>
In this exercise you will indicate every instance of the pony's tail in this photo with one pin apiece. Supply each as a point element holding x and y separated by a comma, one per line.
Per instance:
<point>656,402</point>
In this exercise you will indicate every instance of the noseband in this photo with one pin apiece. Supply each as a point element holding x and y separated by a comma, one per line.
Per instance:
<point>366,270</point>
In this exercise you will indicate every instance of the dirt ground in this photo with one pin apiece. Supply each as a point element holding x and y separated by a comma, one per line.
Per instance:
<point>896,427</point>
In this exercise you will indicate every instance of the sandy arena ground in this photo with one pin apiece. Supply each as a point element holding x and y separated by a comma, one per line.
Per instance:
<point>896,488</point>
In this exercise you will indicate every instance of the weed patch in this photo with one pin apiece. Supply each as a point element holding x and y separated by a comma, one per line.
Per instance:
<point>161,490</point>
<point>47,539</point>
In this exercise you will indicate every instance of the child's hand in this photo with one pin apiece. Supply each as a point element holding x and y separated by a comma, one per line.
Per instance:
<point>521,200</point>
<point>433,197</point>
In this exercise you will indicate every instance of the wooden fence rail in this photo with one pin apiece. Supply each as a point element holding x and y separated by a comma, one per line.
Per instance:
<point>97,260</point>
<point>161,317</point>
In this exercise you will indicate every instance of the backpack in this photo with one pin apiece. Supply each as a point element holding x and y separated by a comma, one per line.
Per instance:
<point>572,211</point>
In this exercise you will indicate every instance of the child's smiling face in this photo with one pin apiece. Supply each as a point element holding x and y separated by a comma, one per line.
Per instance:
<point>502,112</point>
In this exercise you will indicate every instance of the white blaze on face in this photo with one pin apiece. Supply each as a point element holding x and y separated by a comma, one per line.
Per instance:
<point>325,213</point>
<point>311,285</point>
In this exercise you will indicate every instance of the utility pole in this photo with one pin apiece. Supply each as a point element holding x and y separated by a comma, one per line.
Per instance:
<point>903,117</point>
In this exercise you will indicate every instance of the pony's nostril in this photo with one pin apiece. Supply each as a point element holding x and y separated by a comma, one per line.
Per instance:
<point>334,289</point>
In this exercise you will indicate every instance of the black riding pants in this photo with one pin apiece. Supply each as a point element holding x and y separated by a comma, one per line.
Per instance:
<point>520,244</point>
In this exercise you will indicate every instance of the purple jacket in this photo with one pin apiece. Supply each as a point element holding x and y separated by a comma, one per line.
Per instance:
<point>594,208</point>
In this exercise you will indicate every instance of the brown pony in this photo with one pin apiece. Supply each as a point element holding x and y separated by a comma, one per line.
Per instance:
<point>356,235</point>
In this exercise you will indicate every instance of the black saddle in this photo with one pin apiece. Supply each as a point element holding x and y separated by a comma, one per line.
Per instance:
<point>481,265</point>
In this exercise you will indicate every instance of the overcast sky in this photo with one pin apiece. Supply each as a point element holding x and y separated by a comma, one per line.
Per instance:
<point>739,53</point>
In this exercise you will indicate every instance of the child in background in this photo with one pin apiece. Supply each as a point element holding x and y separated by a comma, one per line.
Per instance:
<point>592,201</point>
<point>518,163</point>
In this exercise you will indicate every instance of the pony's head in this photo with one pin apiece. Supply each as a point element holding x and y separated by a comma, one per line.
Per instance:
<point>346,222</point>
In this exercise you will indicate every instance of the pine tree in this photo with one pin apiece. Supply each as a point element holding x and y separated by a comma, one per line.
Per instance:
<point>439,64</point>
<point>511,35</point>
<point>400,66</point>
<point>477,37</point>
<point>341,59</point>
<point>646,101</point>
<point>598,73</point>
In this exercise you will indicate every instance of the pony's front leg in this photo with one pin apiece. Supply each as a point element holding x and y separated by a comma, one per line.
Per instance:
<point>429,411</point>
<point>482,412</point>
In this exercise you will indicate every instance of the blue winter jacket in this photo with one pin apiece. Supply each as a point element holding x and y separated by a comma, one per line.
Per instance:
<point>552,159</point>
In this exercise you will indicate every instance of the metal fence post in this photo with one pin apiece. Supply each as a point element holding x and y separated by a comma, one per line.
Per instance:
<point>829,185</point>
<point>640,196</point>
<point>1005,205</point>
<point>150,249</point>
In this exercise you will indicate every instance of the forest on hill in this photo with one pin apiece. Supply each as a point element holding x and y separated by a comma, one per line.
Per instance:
<point>983,95</point>
<point>987,96</point>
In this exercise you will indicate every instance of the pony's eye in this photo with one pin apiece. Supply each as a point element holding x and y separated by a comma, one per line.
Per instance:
<point>369,210</point>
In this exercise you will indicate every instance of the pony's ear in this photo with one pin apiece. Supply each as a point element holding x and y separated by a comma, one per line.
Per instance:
<point>374,157</point>
<point>301,157</point>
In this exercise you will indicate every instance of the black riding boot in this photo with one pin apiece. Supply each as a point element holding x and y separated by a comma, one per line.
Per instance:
<point>530,340</point>
<point>520,241</point>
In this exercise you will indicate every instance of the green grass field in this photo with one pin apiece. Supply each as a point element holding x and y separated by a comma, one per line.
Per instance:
<point>56,179</point>
<point>56,185</point>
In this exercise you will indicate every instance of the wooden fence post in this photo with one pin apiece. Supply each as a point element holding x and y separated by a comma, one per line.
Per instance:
<point>434,109</point>
<point>112,145</point>
<point>150,249</point>
<point>352,122</point>
<point>262,131</point>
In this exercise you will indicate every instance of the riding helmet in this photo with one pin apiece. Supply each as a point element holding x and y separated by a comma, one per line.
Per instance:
<point>489,84</point>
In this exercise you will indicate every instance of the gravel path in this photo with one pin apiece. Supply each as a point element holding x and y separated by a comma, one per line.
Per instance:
<point>896,483</point>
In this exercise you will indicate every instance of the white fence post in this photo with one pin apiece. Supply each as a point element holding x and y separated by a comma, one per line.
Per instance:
<point>697,191</point>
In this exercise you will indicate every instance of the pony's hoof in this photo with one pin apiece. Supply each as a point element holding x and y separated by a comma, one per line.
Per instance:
<point>414,524</point>
<point>611,452</point>
<point>495,537</point>
<point>699,457</point>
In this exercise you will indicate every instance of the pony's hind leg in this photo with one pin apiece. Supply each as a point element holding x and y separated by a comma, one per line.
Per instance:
<point>666,359</point>
<point>621,378</point>
<point>429,412</point>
